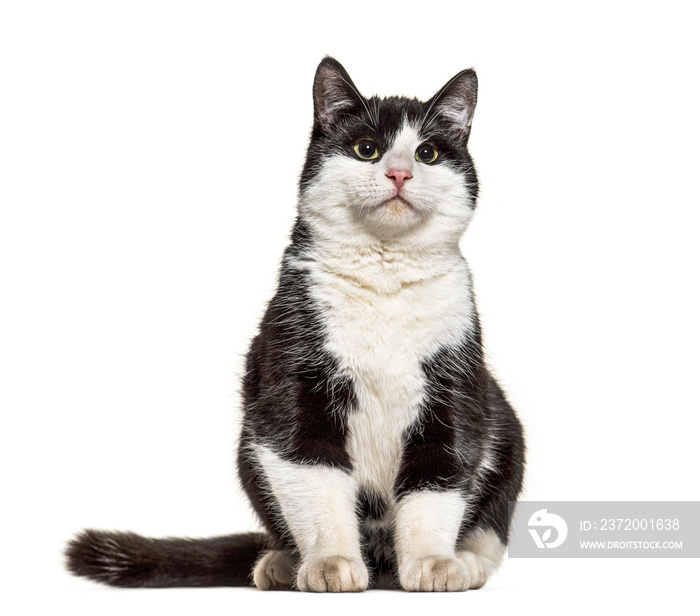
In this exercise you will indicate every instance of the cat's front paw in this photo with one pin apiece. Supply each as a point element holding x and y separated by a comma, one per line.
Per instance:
<point>333,574</point>
<point>434,574</point>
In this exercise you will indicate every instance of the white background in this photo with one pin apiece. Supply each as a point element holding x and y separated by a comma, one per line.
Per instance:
<point>149,154</point>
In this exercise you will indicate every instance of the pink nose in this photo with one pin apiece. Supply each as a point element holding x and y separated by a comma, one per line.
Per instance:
<point>399,176</point>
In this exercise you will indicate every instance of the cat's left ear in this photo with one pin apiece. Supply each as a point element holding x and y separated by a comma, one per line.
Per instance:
<point>455,103</point>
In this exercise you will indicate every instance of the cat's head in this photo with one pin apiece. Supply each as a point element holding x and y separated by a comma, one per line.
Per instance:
<point>391,168</point>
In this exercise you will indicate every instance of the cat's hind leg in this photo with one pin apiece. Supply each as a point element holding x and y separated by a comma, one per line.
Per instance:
<point>274,570</point>
<point>482,551</point>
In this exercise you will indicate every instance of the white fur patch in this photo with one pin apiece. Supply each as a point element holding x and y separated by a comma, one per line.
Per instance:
<point>381,328</point>
<point>427,524</point>
<point>318,504</point>
<point>349,198</point>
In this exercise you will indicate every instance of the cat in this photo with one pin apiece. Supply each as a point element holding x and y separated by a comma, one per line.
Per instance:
<point>376,447</point>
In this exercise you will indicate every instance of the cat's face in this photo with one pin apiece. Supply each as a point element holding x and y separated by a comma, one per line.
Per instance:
<point>389,168</point>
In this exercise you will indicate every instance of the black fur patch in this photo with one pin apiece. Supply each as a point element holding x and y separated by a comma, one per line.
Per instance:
<point>370,505</point>
<point>464,410</point>
<point>295,399</point>
<point>504,482</point>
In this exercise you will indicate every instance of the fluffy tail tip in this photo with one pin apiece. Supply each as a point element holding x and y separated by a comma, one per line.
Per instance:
<point>102,556</point>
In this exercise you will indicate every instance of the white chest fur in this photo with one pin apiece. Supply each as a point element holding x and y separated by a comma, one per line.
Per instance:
<point>381,326</point>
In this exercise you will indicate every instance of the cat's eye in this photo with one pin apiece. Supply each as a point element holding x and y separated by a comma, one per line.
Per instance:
<point>427,153</point>
<point>366,149</point>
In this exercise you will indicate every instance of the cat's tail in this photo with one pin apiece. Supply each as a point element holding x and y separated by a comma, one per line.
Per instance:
<point>130,560</point>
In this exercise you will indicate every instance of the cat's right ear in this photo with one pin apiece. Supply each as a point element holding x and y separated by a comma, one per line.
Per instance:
<point>334,94</point>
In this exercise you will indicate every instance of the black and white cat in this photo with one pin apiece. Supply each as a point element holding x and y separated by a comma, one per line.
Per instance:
<point>376,448</point>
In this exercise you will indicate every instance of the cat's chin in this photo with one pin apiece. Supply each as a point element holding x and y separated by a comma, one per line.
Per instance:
<point>396,206</point>
<point>393,218</point>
